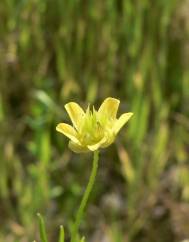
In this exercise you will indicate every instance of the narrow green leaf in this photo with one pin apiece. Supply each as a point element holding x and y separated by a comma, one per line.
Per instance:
<point>43,234</point>
<point>61,234</point>
<point>82,239</point>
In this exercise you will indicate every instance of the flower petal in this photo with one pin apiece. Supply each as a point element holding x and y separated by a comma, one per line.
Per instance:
<point>77,148</point>
<point>109,141</point>
<point>97,145</point>
<point>75,112</point>
<point>121,121</point>
<point>109,107</point>
<point>68,131</point>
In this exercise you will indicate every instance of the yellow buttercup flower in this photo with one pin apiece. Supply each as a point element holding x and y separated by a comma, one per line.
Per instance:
<point>93,129</point>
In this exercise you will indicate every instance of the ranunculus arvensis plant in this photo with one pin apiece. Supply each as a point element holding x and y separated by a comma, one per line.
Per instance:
<point>92,129</point>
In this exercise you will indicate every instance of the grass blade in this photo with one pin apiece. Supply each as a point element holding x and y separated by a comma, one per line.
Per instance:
<point>43,234</point>
<point>61,234</point>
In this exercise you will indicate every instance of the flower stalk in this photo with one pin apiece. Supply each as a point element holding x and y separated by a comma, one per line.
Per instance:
<point>86,195</point>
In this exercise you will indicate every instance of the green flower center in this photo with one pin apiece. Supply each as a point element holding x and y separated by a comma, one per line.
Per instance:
<point>93,128</point>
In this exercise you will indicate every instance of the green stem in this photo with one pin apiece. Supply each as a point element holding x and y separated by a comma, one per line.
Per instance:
<point>85,198</point>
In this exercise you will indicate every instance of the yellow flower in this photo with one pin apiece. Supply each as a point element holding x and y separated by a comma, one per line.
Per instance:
<point>93,129</point>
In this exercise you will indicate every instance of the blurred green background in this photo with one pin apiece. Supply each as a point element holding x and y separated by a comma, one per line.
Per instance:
<point>56,51</point>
